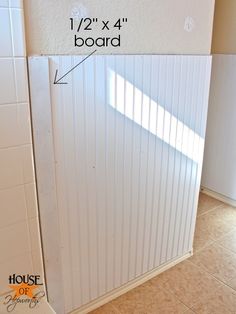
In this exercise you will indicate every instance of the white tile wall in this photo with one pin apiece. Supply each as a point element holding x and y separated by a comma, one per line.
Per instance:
<point>20,247</point>
<point>16,115</point>
<point>7,81</point>
<point>22,264</point>
<point>10,199</point>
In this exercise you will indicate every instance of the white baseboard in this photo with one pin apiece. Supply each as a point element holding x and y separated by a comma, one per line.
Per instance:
<point>129,286</point>
<point>219,196</point>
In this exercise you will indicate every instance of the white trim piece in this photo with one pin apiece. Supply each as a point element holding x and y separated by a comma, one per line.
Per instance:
<point>42,307</point>
<point>218,196</point>
<point>108,297</point>
<point>45,171</point>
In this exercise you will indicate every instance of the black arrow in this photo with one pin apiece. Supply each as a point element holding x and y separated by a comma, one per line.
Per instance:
<point>57,81</point>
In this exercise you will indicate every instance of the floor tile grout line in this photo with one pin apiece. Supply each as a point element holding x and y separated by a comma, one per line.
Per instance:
<point>205,273</point>
<point>116,309</point>
<point>214,241</point>
<point>213,277</point>
<point>212,209</point>
<point>177,298</point>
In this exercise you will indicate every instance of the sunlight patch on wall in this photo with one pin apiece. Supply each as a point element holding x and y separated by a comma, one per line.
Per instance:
<point>140,108</point>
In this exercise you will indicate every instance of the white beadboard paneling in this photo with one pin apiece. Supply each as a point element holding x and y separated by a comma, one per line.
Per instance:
<point>128,134</point>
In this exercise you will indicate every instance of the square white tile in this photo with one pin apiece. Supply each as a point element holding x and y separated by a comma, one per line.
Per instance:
<point>35,234</point>
<point>16,3</point>
<point>14,125</point>
<point>21,80</point>
<point>38,263</point>
<point>31,200</point>
<point>18,32</point>
<point>16,166</point>
<point>7,82</point>
<point>21,264</point>
<point>5,33</point>
<point>12,206</point>
<point>26,157</point>
<point>23,123</point>
<point>15,241</point>
<point>11,168</point>
<point>4,3</point>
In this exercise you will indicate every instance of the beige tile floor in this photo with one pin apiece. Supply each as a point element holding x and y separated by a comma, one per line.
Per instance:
<point>205,283</point>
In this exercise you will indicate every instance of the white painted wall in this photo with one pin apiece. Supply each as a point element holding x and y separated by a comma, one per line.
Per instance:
<point>219,168</point>
<point>154,26</point>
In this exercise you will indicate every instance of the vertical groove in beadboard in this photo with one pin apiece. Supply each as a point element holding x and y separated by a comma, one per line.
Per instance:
<point>193,123</point>
<point>154,192</point>
<point>172,185</point>
<point>127,189</point>
<point>147,167</point>
<point>139,170</point>
<point>106,183</point>
<point>131,171</point>
<point>77,289</point>
<point>67,271</point>
<point>160,221</point>
<point>95,170</point>
<point>86,182</point>
<point>167,174</point>
<point>122,171</point>
<point>67,135</point>
<point>115,177</point>
<point>181,200</point>
<point>178,182</point>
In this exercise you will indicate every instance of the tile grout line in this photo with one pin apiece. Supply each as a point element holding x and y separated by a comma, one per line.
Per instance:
<point>201,268</point>
<point>214,241</point>
<point>214,208</point>
<point>212,275</point>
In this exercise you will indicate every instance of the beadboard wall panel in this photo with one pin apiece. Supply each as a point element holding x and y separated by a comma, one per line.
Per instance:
<point>128,139</point>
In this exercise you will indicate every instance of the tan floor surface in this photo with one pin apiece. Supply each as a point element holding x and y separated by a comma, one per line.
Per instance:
<point>205,283</point>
